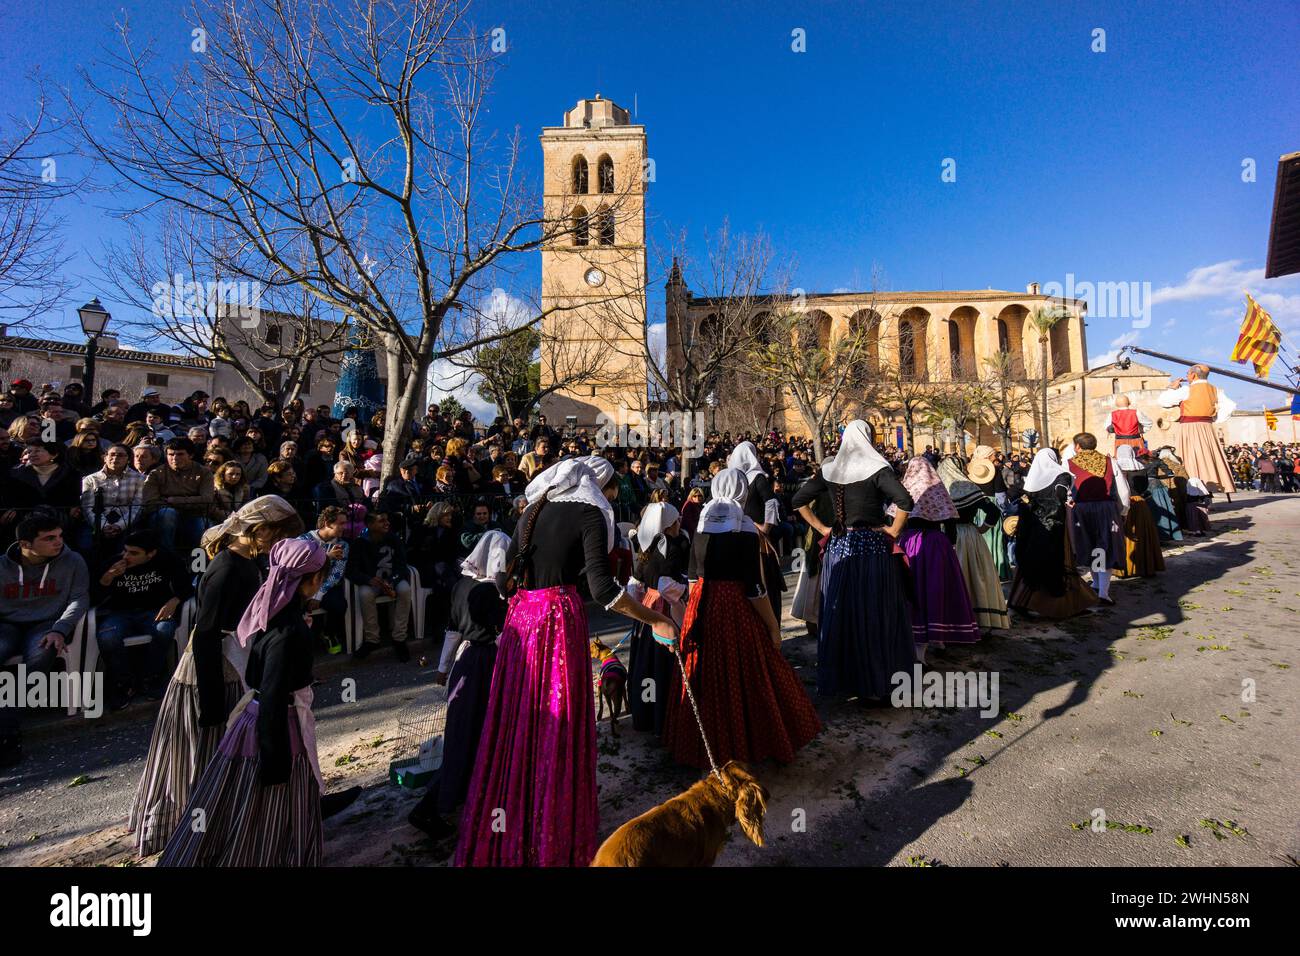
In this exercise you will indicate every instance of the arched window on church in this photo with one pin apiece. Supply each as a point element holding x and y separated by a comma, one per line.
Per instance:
<point>1004,337</point>
<point>580,225</point>
<point>954,350</point>
<point>605,174</point>
<point>605,227</point>
<point>906,349</point>
<point>580,175</point>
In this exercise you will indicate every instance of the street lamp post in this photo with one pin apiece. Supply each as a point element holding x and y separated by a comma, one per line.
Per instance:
<point>94,319</point>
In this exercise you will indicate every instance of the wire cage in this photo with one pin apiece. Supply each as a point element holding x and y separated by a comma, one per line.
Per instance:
<point>420,728</point>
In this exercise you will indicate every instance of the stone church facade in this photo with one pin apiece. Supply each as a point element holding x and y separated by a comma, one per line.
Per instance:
<point>596,281</point>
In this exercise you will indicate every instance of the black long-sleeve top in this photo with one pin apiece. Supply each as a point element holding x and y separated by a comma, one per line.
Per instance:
<point>760,492</point>
<point>478,612</point>
<point>864,501</point>
<point>225,590</point>
<point>980,512</point>
<point>146,587</point>
<point>279,663</point>
<point>569,541</point>
<point>728,556</point>
<point>651,565</point>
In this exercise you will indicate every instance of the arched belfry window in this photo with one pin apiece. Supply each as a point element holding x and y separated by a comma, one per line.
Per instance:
<point>1004,337</point>
<point>605,227</point>
<point>581,225</point>
<point>605,174</point>
<point>580,175</point>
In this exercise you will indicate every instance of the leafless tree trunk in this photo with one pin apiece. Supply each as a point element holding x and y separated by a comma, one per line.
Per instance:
<point>346,145</point>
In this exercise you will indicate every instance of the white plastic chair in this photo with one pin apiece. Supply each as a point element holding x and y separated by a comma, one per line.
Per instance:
<point>354,628</point>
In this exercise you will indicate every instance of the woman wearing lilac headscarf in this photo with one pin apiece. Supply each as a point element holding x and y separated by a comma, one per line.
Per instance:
<point>941,604</point>
<point>260,797</point>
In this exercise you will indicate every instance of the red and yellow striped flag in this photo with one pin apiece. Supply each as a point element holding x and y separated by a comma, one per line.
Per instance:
<point>1271,419</point>
<point>1258,340</point>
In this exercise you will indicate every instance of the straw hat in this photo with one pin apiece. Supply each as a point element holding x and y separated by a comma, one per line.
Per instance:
<point>981,471</point>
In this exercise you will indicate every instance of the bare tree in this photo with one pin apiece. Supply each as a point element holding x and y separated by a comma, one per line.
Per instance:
<point>347,145</point>
<point>1008,395</point>
<point>31,249</point>
<point>274,335</point>
<point>955,405</point>
<point>898,383</point>
<point>799,350</point>
<point>704,344</point>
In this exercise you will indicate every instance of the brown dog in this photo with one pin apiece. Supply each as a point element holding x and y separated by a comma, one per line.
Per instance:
<point>690,829</point>
<point>613,683</point>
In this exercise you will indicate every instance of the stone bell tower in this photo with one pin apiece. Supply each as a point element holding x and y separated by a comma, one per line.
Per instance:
<point>594,179</point>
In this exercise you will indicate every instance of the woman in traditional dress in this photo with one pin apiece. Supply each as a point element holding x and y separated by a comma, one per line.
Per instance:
<point>1158,473</point>
<point>663,554</point>
<point>764,511</point>
<point>988,477</point>
<point>532,798</point>
<point>1197,515</point>
<point>864,625</point>
<point>1142,557</point>
<point>478,612</point>
<point>751,703</point>
<point>206,685</point>
<point>1100,505</point>
<point>1177,485</point>
<point>941,605</point>
<point>261,796</point>
<point>975,512</point>
<point>806,604</point>
<point>1046,581</point>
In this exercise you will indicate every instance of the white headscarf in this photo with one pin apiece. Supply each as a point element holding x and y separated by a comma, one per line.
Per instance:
<point>857,459</point>
<point>487,558</point>
<point>601,468</point>
<point>1044,470</point>
<point>573,481</point>
<point>726,509</point>
<point>1126,458</point>
<point>656,517</point>
<point>745,459</point>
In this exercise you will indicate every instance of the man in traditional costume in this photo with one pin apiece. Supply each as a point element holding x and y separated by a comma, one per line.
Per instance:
<point>1127,425</point>
<point>1200,406</point>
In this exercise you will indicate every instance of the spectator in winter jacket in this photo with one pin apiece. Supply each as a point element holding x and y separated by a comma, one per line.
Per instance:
<point>178,496</point>
<point>141,593</point>
<point>43,596</point>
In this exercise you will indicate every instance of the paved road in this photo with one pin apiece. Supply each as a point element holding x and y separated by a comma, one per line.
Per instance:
<point>1175,713</point>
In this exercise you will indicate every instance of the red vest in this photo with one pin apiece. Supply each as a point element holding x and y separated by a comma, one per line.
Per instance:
<point>1126,423</point>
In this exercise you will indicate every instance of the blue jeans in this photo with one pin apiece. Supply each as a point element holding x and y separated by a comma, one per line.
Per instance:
<point>177,529</point>
<point>22,639</point>
<point>115,627</point>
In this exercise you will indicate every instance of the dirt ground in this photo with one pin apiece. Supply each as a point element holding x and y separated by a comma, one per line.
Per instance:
<point>1173,716</point>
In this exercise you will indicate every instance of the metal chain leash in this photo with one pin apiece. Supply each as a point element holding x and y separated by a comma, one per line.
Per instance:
<point>690,695</point>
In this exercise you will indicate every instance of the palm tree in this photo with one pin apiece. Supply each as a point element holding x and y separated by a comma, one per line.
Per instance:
<point>1045,320</point>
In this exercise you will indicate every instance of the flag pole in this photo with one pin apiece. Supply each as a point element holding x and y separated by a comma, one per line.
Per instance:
<point>1262,382</point>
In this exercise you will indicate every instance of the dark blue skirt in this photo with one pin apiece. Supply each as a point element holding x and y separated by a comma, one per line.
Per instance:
<point>468,686</point>
<point>865,633</point>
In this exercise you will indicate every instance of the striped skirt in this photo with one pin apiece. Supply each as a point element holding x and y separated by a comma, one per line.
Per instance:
<point>179,752</point>
<point>235,820</point>
<point>979,571</point>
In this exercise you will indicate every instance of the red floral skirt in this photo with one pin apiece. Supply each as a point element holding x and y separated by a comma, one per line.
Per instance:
<point>751,702</point>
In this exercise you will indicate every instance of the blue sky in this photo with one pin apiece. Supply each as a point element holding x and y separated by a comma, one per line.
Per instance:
<point>1119,166</point>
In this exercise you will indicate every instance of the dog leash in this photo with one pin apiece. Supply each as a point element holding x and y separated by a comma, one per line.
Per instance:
<point>690,695</point>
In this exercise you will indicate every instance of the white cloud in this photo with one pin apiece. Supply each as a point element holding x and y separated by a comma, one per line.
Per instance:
<point>1211,282</point>
<point>447,379</point>
<point>1105,358</point>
